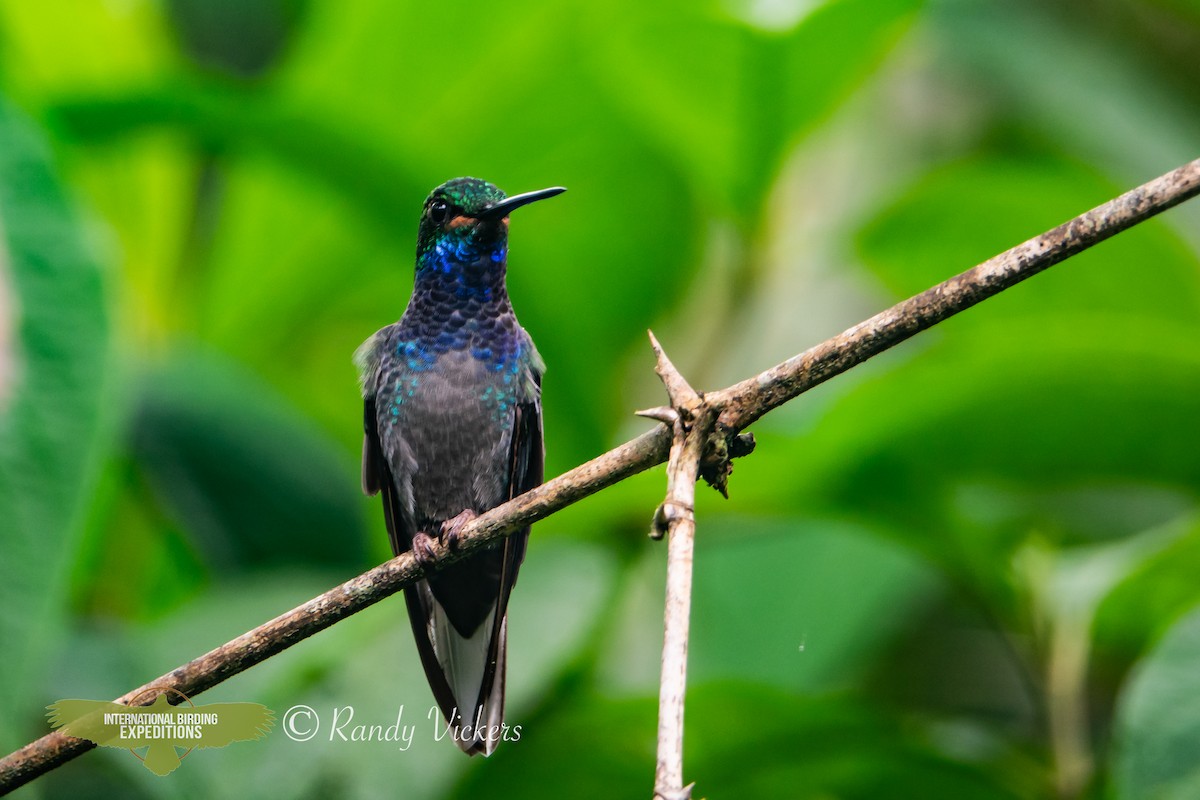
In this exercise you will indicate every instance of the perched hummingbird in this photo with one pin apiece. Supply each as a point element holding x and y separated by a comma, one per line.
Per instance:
<point>453,428</point>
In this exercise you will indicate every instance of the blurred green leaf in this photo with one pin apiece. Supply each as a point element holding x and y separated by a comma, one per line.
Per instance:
<point>1085,396</point>
<point>822,601</point>
<point>726,99</point>
<point>226,119</point>
<point>742,741</point>
<point>1139,609</point>
<point>133,562</point>
<point>979,443</point>
<point>1085,372</point>
<point>930,234</point>
<point>1130,111</point>
<point>234,36</point>
<point>249,479</point>
<point>1158,721</point>
<point>55,44</point>
<point>55,381</point>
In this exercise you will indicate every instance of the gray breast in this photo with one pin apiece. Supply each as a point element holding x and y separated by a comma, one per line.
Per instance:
<point>447,441</point>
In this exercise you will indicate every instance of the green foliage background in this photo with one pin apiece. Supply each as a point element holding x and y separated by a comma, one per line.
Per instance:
<point>966,569</point>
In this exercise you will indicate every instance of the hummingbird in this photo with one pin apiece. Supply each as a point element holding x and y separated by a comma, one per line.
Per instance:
<point>452,427</point>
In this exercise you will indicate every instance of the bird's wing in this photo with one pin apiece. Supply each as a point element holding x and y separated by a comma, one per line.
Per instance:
<point>236,722</point>
<point>377,478</point>
<point>84,719</point>
<point>526,470</point>
<point>526,464</point>
<point>368,360</point>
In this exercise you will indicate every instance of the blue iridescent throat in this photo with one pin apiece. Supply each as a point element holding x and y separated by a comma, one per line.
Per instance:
<point>458,262</point>
<point>459,302</point>
<point>455,310</point>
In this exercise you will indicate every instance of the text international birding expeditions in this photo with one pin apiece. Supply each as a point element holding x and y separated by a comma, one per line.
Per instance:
<point>160,728</point>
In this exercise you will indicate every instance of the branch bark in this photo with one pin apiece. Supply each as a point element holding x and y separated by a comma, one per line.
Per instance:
<point>741,404</point>
<point>692,421</point>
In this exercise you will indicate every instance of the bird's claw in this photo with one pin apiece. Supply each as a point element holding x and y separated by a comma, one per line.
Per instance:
<point>453,526</point>
<point>422,549</point>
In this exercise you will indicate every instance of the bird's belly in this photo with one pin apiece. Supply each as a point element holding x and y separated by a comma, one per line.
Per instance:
<point>459,443</point>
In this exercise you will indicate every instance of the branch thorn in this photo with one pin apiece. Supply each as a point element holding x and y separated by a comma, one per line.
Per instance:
<point>664,414</point>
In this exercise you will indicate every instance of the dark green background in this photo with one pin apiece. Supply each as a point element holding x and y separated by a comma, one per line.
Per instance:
<point>966,569</point>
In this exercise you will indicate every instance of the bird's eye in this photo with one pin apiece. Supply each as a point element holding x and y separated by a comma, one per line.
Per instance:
<point>439,212</point>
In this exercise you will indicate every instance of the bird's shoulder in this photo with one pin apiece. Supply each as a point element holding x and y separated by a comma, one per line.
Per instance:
<point>531,357</point>
<point>369,356</point>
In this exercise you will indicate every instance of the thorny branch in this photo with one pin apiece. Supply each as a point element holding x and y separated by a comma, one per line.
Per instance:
<point>741,404</point>
<point>691,420</point>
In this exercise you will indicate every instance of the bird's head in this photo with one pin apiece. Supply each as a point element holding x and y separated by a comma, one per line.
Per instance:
<point>464,225</point>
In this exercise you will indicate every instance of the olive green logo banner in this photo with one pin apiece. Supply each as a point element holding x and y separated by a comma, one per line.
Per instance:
<point>160,727</point>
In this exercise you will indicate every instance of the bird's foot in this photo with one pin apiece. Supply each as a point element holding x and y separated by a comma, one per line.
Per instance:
<point>422,549</point>
<point>452,527</point>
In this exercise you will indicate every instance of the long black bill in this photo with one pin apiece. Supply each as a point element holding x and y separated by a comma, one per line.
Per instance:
<point>505,206</point>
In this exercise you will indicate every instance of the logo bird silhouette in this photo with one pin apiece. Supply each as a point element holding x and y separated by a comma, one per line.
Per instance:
<point>161,727</point>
